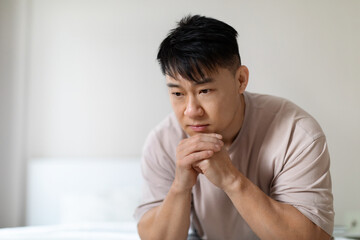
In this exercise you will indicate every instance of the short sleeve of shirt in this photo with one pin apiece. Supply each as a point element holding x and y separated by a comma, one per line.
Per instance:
<point>158,171</point>
<point>305,183</point>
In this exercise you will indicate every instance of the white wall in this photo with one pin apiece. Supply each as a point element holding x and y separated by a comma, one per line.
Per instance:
<point>12,110</point>
<point>95,89</point>
<point>94,79</point>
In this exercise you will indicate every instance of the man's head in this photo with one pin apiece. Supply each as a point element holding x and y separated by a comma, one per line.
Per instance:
<point>198,45</point>
<point>201,62</point>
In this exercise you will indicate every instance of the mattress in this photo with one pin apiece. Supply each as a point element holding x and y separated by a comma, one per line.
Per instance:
<point>88,231</point>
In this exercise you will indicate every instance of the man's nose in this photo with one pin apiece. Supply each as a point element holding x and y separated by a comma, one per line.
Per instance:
<point>193,108</point>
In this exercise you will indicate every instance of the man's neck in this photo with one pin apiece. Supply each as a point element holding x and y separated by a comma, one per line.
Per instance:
<point>238,122</point>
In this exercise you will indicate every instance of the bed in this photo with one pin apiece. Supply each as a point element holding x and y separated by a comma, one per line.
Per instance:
<point>88,231</point>
<point>72,198</point>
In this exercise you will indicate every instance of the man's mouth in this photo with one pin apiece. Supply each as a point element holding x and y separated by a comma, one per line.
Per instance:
<point>199,127</point>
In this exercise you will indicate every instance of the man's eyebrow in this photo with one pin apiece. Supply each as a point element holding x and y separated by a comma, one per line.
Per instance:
<point>173,85</point>
<point>203,81</point>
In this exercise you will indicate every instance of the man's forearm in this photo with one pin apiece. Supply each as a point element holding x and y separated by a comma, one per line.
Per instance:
<point>170,220</point>
<point>268,218</point>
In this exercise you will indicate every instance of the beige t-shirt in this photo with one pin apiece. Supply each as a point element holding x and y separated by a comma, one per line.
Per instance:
<point>280,148</point>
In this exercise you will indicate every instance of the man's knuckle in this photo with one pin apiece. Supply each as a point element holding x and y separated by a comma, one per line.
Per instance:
<point>197,145</point>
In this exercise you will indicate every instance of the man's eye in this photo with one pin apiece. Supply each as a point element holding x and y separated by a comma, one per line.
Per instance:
<point>177,94</point>
<point>204,91</point>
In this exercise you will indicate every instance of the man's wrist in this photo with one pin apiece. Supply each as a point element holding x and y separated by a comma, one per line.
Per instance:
<point>236,183</point>
<point>177,188</point>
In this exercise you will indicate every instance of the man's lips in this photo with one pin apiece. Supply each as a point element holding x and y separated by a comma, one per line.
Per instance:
<point>198,127</point>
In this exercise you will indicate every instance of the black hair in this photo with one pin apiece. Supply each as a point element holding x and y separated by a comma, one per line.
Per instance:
<point>198,45</point>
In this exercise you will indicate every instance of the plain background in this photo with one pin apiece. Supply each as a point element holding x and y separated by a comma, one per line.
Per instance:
<point>79,78</point>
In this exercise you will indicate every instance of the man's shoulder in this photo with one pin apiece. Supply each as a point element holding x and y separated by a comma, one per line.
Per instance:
<point>270,103</point>
<point>166,134</point>
<point>168,126</point>
<point>283,113</point>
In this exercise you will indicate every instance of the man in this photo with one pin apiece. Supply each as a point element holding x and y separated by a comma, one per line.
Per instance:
<point>227,163</point>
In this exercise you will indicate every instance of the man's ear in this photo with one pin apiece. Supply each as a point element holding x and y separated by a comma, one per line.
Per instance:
<point>242,75</point>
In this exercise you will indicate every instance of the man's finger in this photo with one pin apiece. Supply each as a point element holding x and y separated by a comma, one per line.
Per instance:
<point>195,157</point>
<point>197,142</point>
<point>203,146</point>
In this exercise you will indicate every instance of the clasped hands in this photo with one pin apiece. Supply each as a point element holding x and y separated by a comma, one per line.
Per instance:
<point>203,153</point>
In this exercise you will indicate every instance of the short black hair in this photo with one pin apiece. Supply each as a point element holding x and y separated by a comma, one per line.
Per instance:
<point>198,45</point>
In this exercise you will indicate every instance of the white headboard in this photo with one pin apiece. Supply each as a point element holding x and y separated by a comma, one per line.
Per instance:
<point>61,191</point>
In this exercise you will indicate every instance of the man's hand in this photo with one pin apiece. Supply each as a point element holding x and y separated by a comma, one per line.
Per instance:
<point>189,153</point>
<point>219,169</point>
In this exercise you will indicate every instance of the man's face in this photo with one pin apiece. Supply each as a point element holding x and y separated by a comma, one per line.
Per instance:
<point>213,106</point>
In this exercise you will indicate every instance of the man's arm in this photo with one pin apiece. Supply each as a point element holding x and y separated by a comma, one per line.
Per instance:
<point>268,218</point>
<point>171,220</point>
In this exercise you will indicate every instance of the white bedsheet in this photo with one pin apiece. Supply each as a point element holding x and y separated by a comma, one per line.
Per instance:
<point>88,231</point>
<point>85,231</point>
